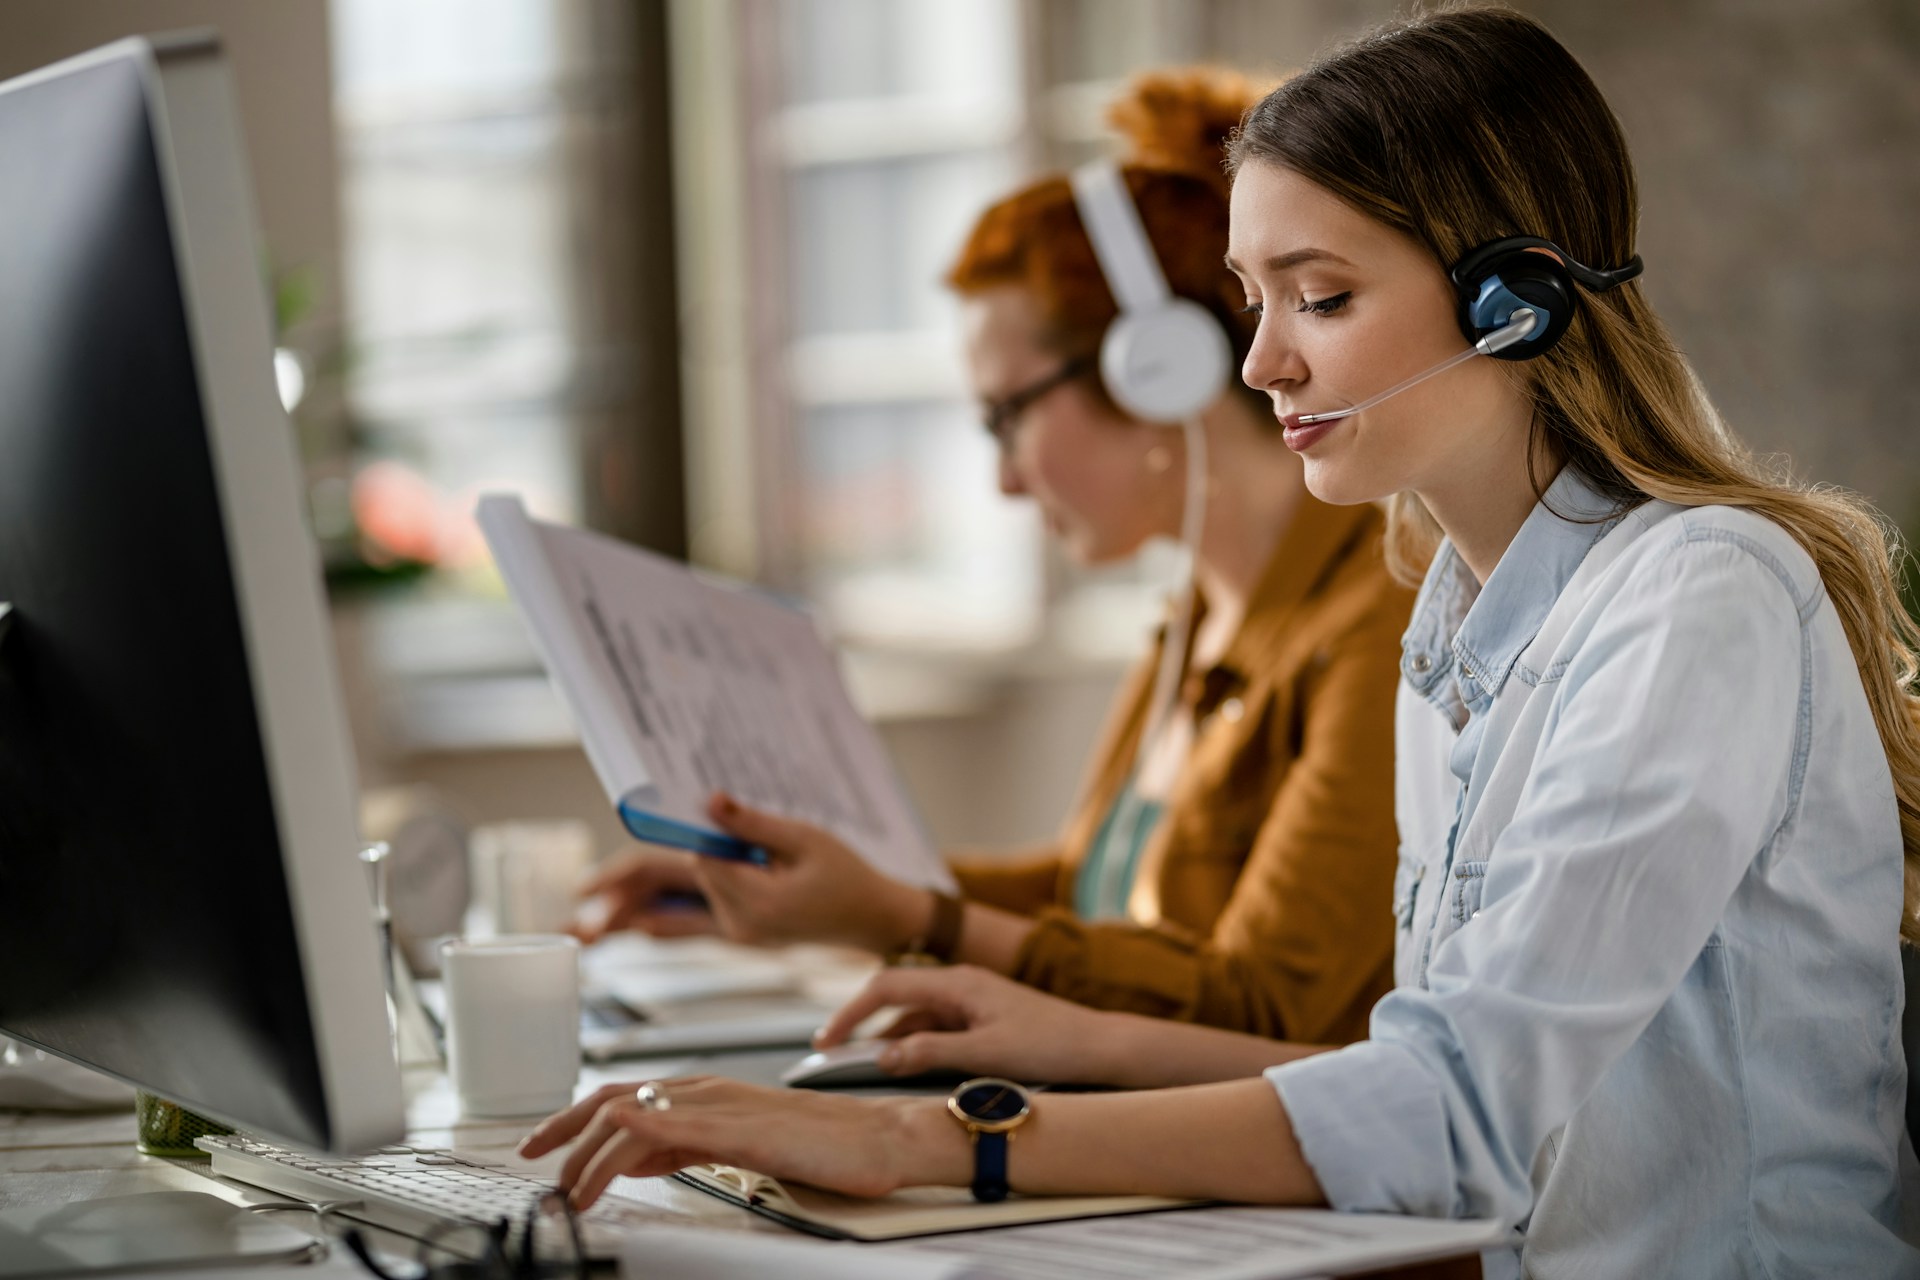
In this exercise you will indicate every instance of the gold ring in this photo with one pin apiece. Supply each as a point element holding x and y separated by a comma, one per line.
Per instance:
<point>652,1096</point>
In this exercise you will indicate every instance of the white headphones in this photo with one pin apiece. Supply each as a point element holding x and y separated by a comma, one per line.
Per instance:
<point>1164,358</point>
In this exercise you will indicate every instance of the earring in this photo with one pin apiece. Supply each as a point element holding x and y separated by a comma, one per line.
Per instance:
<point>1159,459</point>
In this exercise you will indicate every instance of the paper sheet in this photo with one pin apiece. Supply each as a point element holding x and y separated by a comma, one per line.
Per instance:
<point>704,687</point>
<point>1209,1244</point>
<point>688,1253</point>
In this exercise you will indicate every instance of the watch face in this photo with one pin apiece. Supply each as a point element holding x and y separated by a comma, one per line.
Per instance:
<point>991,1101</point>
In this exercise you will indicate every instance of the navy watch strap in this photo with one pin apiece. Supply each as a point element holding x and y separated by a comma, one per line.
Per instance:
<point>989,1167</point>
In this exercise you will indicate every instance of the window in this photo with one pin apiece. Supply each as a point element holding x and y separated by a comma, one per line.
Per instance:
<point>894,122</point>
<point>453,116</point>
<point>873,133</point>
<point>503,172</point>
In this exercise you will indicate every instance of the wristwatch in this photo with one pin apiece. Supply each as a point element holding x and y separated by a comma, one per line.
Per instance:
<point>991,1109</point>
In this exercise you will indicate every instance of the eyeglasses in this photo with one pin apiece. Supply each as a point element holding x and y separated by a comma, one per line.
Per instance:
<point>491,1251</point>
<point>1000,414</point>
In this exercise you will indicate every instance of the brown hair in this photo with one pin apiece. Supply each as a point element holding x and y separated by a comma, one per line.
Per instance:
<point>1471,123</point>
<point>1176,125</point>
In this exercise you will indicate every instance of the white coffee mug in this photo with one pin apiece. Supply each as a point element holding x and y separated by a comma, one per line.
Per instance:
<point>513,1022</point>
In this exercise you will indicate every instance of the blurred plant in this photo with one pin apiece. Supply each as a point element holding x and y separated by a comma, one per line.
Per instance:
<point>378,523</point>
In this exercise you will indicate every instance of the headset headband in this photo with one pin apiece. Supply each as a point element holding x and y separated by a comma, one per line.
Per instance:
<point>1118,237</point>
<point>1594,280</point>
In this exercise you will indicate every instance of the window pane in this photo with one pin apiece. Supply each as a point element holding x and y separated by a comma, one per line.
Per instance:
<point>908,537</point>
<point>459,271</point>
<point>458,245</point>
<point>902,122</point>
<point>851,49</point>
<point>388,49</point>
<point>870,242</point>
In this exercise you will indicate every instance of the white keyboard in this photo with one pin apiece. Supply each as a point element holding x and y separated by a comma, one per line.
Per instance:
<point>427,1194</point>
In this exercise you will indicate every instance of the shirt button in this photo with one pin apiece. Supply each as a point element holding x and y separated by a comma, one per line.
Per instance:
<point>1421,663</point>
<point>1232,709</point>
<point>1467,672</point>
<point>1475,915</point>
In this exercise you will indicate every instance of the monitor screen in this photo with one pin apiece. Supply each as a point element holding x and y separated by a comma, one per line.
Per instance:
<point>148,901</point>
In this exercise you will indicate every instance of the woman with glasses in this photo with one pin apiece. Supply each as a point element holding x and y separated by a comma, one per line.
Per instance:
<point>1234,868</point>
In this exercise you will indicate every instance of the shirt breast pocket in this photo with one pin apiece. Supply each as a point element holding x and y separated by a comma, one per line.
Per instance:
<point>1406,883</point>
<point>1469,883</point>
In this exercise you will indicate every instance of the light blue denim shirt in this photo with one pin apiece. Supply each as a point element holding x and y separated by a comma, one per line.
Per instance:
<point>1652,1019</point>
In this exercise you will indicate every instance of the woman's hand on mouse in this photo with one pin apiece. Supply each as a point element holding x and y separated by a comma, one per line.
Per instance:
<point>975,1021</point>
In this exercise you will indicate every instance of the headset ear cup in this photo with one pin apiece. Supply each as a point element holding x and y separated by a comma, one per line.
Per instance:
<point>1497,287</point>
<point>1165,364</point>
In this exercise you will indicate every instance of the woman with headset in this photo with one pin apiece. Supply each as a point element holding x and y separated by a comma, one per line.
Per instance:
<point>1231,858</point>
<point>1658,756</point>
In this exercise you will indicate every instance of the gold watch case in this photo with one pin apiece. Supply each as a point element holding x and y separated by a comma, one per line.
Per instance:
<point>977,1125</point>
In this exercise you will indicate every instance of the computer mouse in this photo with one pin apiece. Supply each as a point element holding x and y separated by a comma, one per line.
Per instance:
<point>843,1066</point>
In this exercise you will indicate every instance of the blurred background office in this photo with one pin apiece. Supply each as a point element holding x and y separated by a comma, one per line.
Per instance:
<point>670,268</point>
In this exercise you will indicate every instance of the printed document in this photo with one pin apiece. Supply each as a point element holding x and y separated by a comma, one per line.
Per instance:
<point>682,686</point>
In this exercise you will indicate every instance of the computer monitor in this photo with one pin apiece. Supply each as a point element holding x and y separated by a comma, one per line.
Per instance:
<point>181,905</point>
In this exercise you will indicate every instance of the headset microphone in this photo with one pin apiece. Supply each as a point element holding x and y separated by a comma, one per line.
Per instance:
<point>1518,326</point>
<point>1515,298</point>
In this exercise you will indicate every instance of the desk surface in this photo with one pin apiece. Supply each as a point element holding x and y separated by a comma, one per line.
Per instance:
<point>50,1158</point>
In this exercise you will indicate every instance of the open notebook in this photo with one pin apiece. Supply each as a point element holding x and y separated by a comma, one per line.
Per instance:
<point>914,1211</point>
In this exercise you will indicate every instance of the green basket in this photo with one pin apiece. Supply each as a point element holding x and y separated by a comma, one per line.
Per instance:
<point>166,1129</point>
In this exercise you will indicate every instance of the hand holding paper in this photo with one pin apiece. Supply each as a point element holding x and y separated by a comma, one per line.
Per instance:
<point>814,889</point>
<point>682,686</point>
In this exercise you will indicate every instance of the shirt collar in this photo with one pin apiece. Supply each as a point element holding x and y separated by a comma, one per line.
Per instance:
<point>1483,630</point>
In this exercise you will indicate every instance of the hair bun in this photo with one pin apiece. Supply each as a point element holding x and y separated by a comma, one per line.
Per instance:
<point>1182,119</point>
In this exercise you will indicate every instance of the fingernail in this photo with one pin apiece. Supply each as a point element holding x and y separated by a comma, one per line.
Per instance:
<point>888,1058</point>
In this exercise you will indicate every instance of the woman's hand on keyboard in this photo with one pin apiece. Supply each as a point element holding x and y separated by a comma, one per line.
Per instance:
<point>973,1020</point>
<point>860,1146</point>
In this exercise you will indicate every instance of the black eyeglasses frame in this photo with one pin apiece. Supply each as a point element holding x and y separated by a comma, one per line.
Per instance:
<point>998,415</point>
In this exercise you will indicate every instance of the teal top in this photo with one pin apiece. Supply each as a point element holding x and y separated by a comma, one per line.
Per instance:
<point>1106,877</point>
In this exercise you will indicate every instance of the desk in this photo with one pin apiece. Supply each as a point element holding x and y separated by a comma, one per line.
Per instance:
<point>47,1157</point>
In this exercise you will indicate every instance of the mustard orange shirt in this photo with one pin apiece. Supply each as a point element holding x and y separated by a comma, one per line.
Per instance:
<point>1262,899</point>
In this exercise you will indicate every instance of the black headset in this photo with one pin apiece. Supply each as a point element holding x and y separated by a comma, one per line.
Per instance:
<point>1501,276</point>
